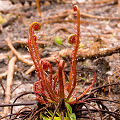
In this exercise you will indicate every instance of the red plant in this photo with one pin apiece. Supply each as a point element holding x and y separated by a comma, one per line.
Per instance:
<point>46,88</point>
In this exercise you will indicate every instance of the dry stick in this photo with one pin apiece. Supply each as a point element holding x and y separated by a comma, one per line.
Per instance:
<point>18,113</point>
<point>66,13</point>
<point>2,118</point>
<point>31,69</point>
<point>2,88</point>
<point>63,20</point>
<point>58,105</point>
<point>89,112</point>
<point>33,111</point>
<point>113,114</point>
<point>60,15</point>
<point>26,42</point>
<point>105,117</point>
<point>87,54</point>
<point>100,99</point>
<point>18,55</point>
<point>83,54</point>
<point>104,86</point>
<point>19,42</point>
<point>30,114</point>
<point>99,17</point>
<point>96,109</point>
<point>13,12</point>
<point>18,104</point>
<point>97,2</point>
<point>26,93</point>
<point>9,84</point>
<point>43,108</point>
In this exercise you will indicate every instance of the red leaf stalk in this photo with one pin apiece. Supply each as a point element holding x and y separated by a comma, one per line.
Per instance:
<point>61,78</point>
<point>76,41</point>
<point>40,65</point>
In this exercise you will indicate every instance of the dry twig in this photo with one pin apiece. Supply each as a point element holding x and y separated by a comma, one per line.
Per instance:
<point>66,13</point>
<point>98,17</point>
<point>86,54</point>
<point>9,84</point>
<point>18,55</point>
<point>26,42</point>
<point>98,2</point>
<point>32,68</point>
<point>64,21</point>
<point>83,54</point>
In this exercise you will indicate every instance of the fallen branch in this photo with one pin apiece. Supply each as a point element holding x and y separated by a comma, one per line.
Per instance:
<point>18,43</point>
<point>2,88</point>
<point>1,76</point>
<point>66,13</point>
<point>18,104</point>
<point>18,55</point>
<point>9,84</point>
<point>26,42</point>
<point>98,17</point>
<point>64,21</point>
<point>98,2</point>
<point>83,55</point>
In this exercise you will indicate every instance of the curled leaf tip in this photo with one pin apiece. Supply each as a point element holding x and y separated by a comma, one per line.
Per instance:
<point>72,39</point>
<point>75,7</point>
<point>35,26</point>
<point>45,64</point>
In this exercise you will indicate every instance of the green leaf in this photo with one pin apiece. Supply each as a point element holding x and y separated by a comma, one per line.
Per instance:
<point>72,116</point>
<point>83,78</point>
<point>69,108</point>
<point>45,118</point>
<point>50,112</point>
<point>81,45</point>
<point>57,118</point>
<point>58,40</point>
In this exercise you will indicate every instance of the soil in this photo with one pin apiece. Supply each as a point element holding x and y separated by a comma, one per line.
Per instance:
<point>97,34</point>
